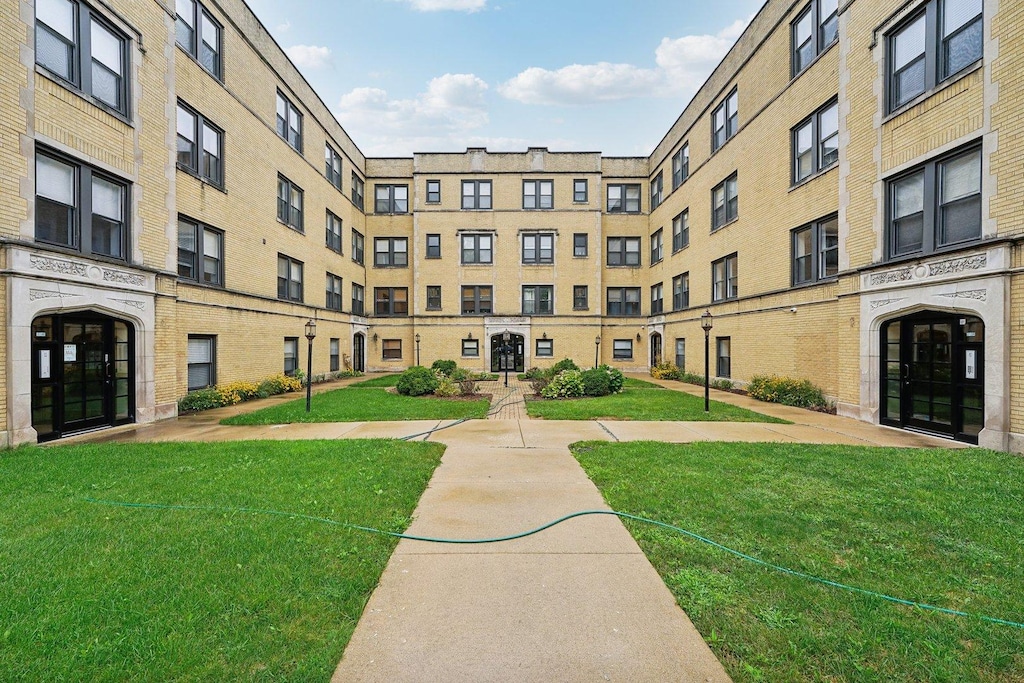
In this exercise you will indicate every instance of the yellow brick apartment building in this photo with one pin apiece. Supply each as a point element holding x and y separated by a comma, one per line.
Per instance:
<point>843,195</point>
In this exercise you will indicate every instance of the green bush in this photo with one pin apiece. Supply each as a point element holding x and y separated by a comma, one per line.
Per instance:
<point>467,387</point>
<point>615,378</point>
<point>596,382</point>
<point>535,373</point>
<point>460,374</point>
<point>722,384</point>
<point>201,399</point>
<point>566,384</point>
<point>447,387</point>
<point>564,364</point>
<point>417,381</point>
<point>691,378</point>
<point>539,383</point>
<point>666,371</point>
<point>787,391</point>
<point>445,367</point>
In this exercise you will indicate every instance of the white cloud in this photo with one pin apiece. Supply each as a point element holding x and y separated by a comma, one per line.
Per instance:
<point>309,56</point>
<point>446,5</point>
<point>283,27</point>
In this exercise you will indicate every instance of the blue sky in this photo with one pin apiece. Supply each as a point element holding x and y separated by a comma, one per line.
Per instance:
<point>406,76</point>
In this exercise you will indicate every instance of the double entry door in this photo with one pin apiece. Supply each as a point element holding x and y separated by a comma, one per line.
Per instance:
<point>509,356</point>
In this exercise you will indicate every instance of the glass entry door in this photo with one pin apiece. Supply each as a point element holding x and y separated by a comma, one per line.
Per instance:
<point>359,352</point>
<point>655,348</point>
<point>511,357</point>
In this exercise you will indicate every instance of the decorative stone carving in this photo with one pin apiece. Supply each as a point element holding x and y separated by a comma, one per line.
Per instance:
<point>36,294</point>
<point>899,275</point>
<point>957,265</point>
<point>140,305</point>
<point>885,302</point>
<point>123,278</point>
<point>978,294</point>
<point>58,266</point>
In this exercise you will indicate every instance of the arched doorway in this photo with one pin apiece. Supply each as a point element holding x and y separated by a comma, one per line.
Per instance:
<point>359,352</point>
<point>655,348</point>
<point>513,358</point>
<point>933,374</point>
<point>83,373</point>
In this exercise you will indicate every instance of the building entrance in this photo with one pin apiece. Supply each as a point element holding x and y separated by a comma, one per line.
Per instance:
<point>359,352</point>
<point>512,357</point>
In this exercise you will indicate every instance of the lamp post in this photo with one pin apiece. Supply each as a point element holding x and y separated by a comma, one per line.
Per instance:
<point>597,350</point>
<point>417,348</point>
<point>705,323</point>
<point>505,338</point>
<point>310,335</point>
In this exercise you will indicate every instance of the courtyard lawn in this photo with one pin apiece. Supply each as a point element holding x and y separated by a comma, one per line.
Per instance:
<point>357,404</point>
<point>944,527</point>
<point>378,382</point>
<point>642,404</point>
<point>93,592</point>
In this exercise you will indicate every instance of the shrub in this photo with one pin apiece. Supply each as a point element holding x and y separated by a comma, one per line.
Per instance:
<point>417,381</point>
<point>615,378</point>
<point>722,384</point>
<point>467,387</point>
<point>236,392</point>
<point>460,374</point>
<point>787,391</point>
<point>539,383</point>
<point>342,374</point>
<point>446,387</point>
<point>691,378</point>
<point>278,384</point>
<point>202,399</point>
<point>445,367</point>
<point>596,382</point>
<point>534,373</point>
<point>564,364</point>
<point>665,370</point>
<point>566,384</point>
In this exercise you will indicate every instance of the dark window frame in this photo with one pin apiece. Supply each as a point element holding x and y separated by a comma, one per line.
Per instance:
<point>476,198</point>
<point>433,193</point>
<point>580,298</point>
<point>358,299</point>
<point>332,174</point>
<point>211,365</point>
<point>657,246</point>
<point>658,298</point>
<point>433,297</point>
<point>333,289</point>
<point>476,250</point>
<point>681,165</point>
<point>386,302</point>
<point>291,134</point>
<point>657,190</point>
<point>624,200</point>
<point>723,362</point>
<point>477,299</point>
<point>287,212</point>
<point>358,246</point>
<point>470,348</point>
<point>538,249</point>
<point>544,348</point>
<point>681,291</point>
<point>819,159</point>
<point>392,256</point>
<point>730,281</point>
<point>198,257</point>
<point>730,120</point>
<point>290,368</point>
<point>580,248</point>
<point>391,349</point>
<point>197,163</point>
<point>334,349</point>
<point>198,37</point>
<point>358,191</point>
<point>821,37</point>
<point>433,245</point>
<point>538,194</point>
<point>730,205</point>
<point>333,238</point>
<point>538,299</point>
<point>624,307</point>
<point>681,237</point>
<point>621,255</point>
<point>818,252</point>
<point>622,349</point>
<point>392,204</point>
<point>286,285</point>
<point>580,196</point>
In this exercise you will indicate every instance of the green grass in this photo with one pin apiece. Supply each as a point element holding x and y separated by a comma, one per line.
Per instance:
<point>356,404</point>
<point>383,381</point>
<point>92,592</point>
<point>937,526</point>
<point>634,383</point>
<point>642,404</point>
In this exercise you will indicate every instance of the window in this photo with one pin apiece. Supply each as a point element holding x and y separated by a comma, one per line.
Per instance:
<point>622,349</point>
<point>357,191</point>
<point>656,188</point>
<point>476,194</point>
<point>433,246</point>
<point>725,203</point>
<point>623,199</point>
<point>623,301</point>
<point>816,142</point>
<point>291,355</point>
<point>657,299</point>
<point>199,34</point>
<point>681,292</point>
<point>936,205</point>
<point>476,249</point>
<point>723,355</point>
<point>332,166</point>
<point>333,232</point>
<point>391,252</point>
<point>725,120</point>
<point>471,348</point>
<point>289,278</point>
<point>579,298</point>
<point>538,299</point>
<point>79,207</point>
<point>200,145</point>
<point>723,278</point>
<point>289,203</point>
<point>357,246</point>
<point>579,245</point>
<point>357,299</point>
<point>333,302</point>
<point>433,297</point>
<point>624,251</point>
<point>391,349</point>
<point>681,231</point>
<point>545,348</point>
<point>391,199</point>
<point>538,194</point>
<point>657,246</point>
<point>289,122</point>
<point>934,45</point>
<point>681,354</point>
<point>433,192</point>
<point>391,301</point>
<point>538,248</point>
<point>681,165</point>
<point>476,299</point>
<point>579,191</point>
<point>335,354</point>
<point>200,250</point>
<point>202,363</point>
<point>78,46</point>
<point>814,31</point>
<point>816,251</point>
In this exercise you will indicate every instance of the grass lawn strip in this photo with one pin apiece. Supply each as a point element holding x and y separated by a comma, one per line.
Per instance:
<point>643,404</point>
<point>103,593</point>
<point>358,404</point>
<point>936,526</point>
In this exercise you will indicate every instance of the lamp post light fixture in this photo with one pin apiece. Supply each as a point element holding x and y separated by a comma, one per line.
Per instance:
<point>506,351</point>
<point>705,323</point>
<point>597,350</point>
<point>417,348</point>
<point>310,335</point>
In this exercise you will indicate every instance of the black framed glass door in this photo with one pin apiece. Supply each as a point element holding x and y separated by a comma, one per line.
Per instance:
<point>655,348</point>
<point>511,357</point>
<point>359,352</point>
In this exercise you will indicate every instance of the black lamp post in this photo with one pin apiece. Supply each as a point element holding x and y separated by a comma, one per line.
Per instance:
<point>417,348</point>
<point>310,335</point>
<point>505,352</point>
<point>705,323</point>
<point>597,350</point>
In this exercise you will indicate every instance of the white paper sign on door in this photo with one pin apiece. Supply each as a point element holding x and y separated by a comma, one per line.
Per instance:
<point>44,363</point>
<point>70,353</point>
<point>971,364</point>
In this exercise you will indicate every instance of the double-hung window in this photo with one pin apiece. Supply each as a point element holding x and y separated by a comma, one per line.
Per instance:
<point>579,298</point>
<point>358,243</point>
<point>623,301</point>
<point>291,355</point>
<point>477,299</point>
<point>333,301</point>
<point>78,46</point>
<point>289,122</point>
<point>623,198</point>
<point>289,203</point>
<point>816,142</point>
<point>333,232</point>
<point>476,194</point>
<point>545,348</point>
<point>622,349</point>
<point>393,301</point>
<point>681,292</point>
<point>725,120</point>
<point>433,192</point>
<point>580,248</point>
<point>335,349</point>
<point>433,246</point>
<point>332,166</point>
<point>657,246</point>
<point>81,208</point>
<point>202,361</point>
<point>681,230</point>
<point>724,278</point>
<point>538,299</point>
<point>681,165</point>
<point>816,251</point>
<point>723,354</point>
<point>656,191</point>
<point>725,203</point>
<point>200,145</point>
<point>471,348</point>
<point>391,252</point>
<point>538,194</point>
<point>657,299</point>
<point>433,297</point>
<point>391,349</point>
<point>477,249</point>
<point>289,278</point>
<point>936,205</point>
<point>358,294</point>
<point>538,248</point>
<point>357,191</point>
<point>199,34</point>
<point>579,191</point>
<point>814,31</point>
<point>624,251</point>
<point>391,199</point>
<point>200,252</point>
